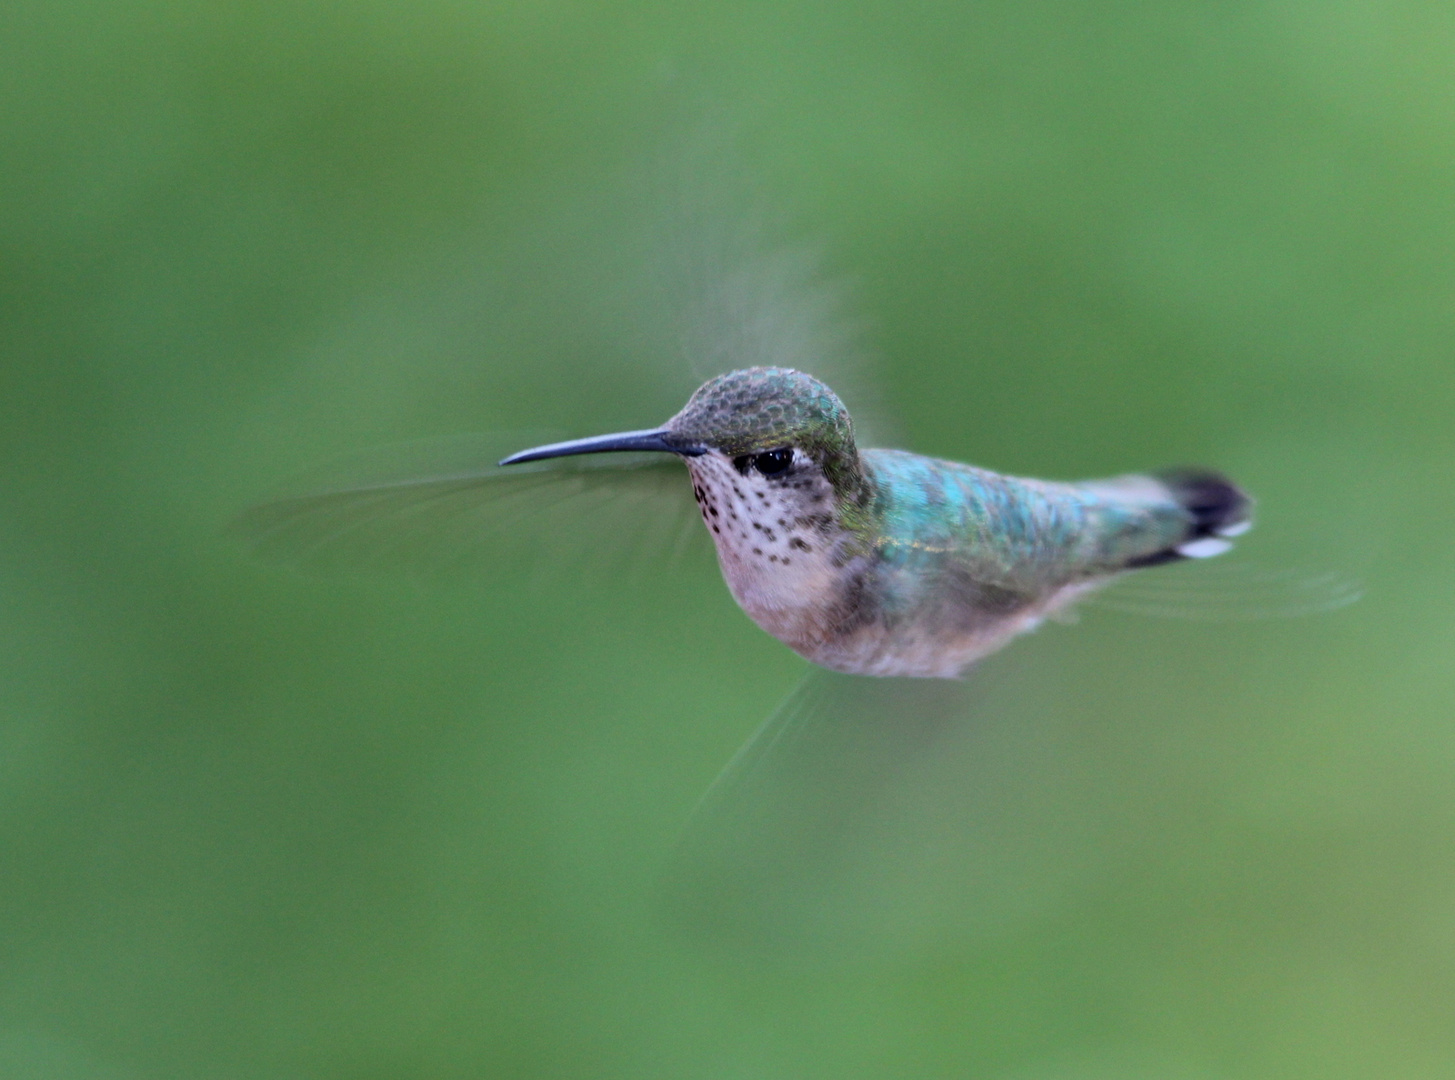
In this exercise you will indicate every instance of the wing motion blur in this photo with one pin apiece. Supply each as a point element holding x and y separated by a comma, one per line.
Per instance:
<point>819,825</point>
<point>778,847</point>
<point>1235,590</point>
<point>444,504</point>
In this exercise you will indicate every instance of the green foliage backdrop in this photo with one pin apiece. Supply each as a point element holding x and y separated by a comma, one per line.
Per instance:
<point>257,825</point>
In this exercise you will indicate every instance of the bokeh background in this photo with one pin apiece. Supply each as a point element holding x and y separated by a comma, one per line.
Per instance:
<point>261,825</point>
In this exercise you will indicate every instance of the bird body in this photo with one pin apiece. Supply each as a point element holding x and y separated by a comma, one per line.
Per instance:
<point>884,562</point>
<point>951,561</point>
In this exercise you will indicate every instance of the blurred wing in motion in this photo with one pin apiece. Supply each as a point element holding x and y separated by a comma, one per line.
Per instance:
<point>777,849</point>
<point>873,806</point>
<point>741,287</point>
<point>444,504</point>
<point>1214,590</point>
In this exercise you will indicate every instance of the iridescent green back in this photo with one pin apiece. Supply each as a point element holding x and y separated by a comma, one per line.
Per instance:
<point>1029,536</point>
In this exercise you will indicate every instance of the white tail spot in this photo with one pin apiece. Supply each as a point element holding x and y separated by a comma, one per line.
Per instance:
<point>1205,548</point>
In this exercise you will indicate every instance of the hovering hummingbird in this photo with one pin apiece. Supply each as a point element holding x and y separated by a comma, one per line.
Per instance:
<point>868,562</point>
<point>884,562</point>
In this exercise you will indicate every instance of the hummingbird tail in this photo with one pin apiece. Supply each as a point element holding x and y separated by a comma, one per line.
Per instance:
<point>1219,510</point>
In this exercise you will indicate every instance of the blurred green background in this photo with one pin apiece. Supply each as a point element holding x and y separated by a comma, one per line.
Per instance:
<point>254,825</point>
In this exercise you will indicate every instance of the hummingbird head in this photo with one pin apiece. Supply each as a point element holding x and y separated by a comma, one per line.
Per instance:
<point>772,422</point>
<point>781,488</point>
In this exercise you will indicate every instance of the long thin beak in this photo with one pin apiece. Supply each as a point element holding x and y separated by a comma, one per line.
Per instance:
<point>604,444</point>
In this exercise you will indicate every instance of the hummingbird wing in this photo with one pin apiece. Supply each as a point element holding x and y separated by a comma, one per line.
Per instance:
<point>1235,590</point>
<point>822,829</point>
<point>744,288</point>
<point>766,848</point>
<point>442,504</point>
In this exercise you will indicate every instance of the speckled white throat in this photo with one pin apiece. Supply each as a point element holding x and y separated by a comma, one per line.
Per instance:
<point>776,540</point>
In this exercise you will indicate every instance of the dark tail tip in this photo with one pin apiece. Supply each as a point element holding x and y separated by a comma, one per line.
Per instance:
<point>1218,507</point>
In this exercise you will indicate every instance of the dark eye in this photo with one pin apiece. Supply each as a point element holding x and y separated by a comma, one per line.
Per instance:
<point>773,462</point>
<point>768,463</point>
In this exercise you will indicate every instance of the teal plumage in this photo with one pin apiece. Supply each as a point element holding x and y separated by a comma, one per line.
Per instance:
<point>1017,532</point>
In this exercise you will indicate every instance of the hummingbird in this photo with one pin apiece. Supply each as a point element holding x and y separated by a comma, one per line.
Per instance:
<point>889,563</point>
<point>892,572</point>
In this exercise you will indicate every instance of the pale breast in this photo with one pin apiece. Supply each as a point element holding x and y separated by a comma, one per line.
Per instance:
<point>774,543</point>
